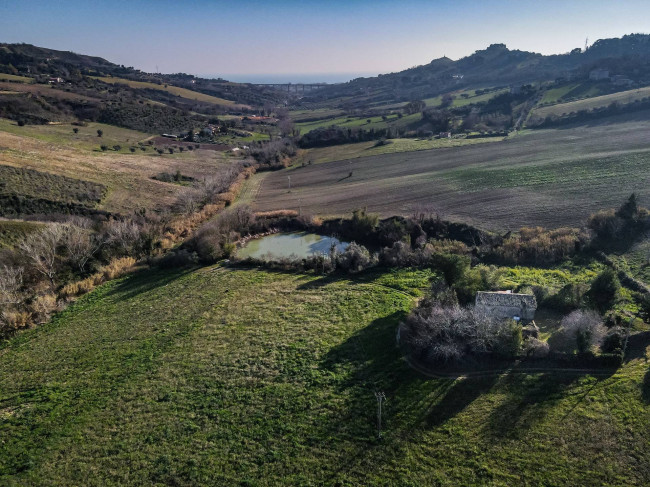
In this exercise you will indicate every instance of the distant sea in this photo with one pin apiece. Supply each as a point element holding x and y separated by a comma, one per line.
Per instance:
<point>289,78</point>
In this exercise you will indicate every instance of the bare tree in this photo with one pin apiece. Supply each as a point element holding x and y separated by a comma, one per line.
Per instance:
<point>81,245</point>
<point>122,234</point>
<point>583,330</point>
<point>11,280</point>
<point>42,250</point>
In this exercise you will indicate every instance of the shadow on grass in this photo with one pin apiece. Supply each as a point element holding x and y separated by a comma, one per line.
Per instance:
<point>147,280</point>
<point>645,387</point>
<point>460,394</point>
<point>529,398</point>
<point>637,346</point>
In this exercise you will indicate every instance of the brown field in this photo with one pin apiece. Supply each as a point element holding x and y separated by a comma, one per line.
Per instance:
<point>547,177</point>
<point>127,176</point>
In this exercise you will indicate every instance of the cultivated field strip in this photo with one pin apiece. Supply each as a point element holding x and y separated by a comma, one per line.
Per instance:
<point>547,177</point>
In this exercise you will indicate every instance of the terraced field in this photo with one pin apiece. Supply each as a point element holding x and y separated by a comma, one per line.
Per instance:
<point>246,377</point>
<point>174,90</point>
<point>55,150</point>
<point>549,177</point>
<point>623,97</point>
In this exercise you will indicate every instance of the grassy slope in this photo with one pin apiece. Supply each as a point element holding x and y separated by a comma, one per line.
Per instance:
<point>14,231</point>
<point>174,90</point>
<point>56,149</point>
<point>365,149</point>
<point>623,97</point>
<point>547,177</point>
<point>360,122</point>
<point>15,78</point>
<point>177,381</point>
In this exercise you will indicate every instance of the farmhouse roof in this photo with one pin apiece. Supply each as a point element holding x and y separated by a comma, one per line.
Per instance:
<point>501,298</point>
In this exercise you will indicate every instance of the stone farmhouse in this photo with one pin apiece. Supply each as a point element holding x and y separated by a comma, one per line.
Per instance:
<point>507,305</point>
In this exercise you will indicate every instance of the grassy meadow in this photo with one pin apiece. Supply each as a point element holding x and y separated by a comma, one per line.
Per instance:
<point>249,377</point>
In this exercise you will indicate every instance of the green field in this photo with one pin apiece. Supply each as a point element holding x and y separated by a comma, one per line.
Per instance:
<point>174,90</point>
<point>248,377</point>
<point>86,138</point>
<point>460,101</point>
<point>364,149</point>
<point>15,78</point>
<point>376,122</point>
<point>623,97</point>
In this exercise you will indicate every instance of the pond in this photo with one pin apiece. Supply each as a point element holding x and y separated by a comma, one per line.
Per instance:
<point>295,244</point>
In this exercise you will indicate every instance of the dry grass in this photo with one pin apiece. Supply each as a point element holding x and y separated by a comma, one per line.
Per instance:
<point>127,176</point>
<point>174,90</point>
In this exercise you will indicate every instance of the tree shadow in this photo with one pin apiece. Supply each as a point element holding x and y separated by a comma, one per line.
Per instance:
<point>460,394</point>
<point>637,345</point>
<point>529,398</point>
<point>147,280</point>
<point>645,387</point>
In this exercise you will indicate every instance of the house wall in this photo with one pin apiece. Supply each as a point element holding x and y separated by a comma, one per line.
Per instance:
<point>502,312</point>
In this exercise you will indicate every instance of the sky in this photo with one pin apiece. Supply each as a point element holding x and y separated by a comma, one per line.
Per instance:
<point>299,41</point>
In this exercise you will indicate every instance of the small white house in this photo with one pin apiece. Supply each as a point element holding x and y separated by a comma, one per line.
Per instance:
<point>599,74</point>
<point>507,305</point>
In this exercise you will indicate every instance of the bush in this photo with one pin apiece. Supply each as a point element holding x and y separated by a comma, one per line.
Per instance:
<point>42,307</point>
<point>604,290</point>
<point>356,258</point>
<point>613,341</point>
<point>581,330</point>
<point>179,258</point>
<point>12,321</point>
<point>536,348</point>
<point>440,334</point>
<point>509,339</point>
<point>117,268</point>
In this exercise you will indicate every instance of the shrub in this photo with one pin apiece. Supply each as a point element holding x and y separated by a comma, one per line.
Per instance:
<point>536,348</point>
<point>42,307</point>
<point>439,334</point>
<point>604,290</point>
<point>179,258</point>
<point>613,341</point>
<point>355,258</point>
<point>509,339</point>
<point>117,268</point>
<point>12,321</point>
<point>581,330</point>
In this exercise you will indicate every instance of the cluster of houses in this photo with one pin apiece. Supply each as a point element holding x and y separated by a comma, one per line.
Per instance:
<point>601,74</point>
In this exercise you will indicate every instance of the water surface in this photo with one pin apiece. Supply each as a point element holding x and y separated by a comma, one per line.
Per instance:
<point>296,244</point>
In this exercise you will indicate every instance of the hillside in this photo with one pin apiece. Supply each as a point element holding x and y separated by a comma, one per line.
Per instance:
<point>548,177</point>
<point>168,378</point>
<point>495,65</point>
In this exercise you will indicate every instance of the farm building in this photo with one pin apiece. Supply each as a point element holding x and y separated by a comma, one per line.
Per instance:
<point>506,304</point>
<point>598,74</point>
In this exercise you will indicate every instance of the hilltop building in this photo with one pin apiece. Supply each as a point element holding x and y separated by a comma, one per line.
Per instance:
<point>599,74</point>
<point>507,305</point>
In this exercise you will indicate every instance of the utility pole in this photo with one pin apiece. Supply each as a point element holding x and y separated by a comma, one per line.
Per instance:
<point>380,398</point>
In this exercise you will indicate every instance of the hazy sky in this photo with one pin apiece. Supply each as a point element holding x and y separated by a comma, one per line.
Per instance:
<point>309,37</point>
